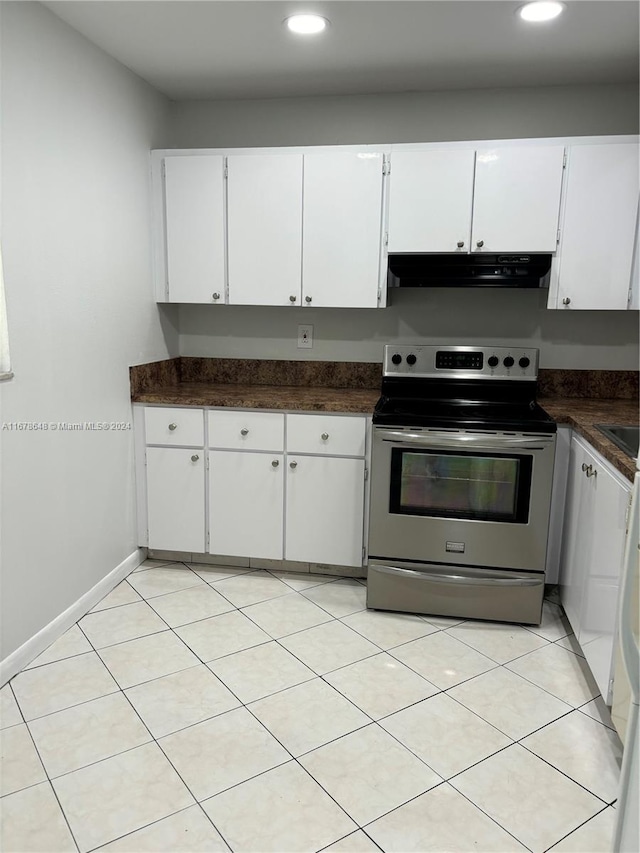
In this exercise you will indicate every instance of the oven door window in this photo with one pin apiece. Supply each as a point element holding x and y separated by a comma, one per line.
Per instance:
<point>450,484</point>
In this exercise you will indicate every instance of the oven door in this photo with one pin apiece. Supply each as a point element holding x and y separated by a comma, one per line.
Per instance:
<point>461,498</point>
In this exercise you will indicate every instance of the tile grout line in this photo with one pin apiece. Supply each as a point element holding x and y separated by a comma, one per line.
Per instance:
<point>584,823</point>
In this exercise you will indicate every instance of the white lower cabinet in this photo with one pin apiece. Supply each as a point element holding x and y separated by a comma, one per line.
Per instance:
<point>596,517</point>
<point>175,498</point>
<point>246,504</point>
<point>324,510</point>
<point>246,491</point>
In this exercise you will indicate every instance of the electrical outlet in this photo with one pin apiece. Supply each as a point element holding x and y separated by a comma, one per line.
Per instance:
<point>305,337</point>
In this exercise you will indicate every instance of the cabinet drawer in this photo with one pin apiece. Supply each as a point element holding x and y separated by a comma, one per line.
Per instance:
<point>333,435</point>
<point>174,426</point>
<point>246,430</point>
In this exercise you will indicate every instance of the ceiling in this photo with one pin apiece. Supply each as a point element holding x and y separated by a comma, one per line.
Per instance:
<point>225,49</point>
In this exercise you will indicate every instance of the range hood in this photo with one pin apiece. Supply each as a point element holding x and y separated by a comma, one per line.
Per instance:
<point>477,270</point>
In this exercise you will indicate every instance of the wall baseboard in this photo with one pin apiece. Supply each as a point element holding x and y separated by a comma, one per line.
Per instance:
<point>34,646</point>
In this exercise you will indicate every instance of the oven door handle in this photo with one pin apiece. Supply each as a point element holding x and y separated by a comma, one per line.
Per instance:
<point>459,579</point>
<point>465,440</point>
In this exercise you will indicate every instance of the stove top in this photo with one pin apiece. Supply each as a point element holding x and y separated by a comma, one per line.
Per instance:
<point>475,388</point>
<point>462,414</point>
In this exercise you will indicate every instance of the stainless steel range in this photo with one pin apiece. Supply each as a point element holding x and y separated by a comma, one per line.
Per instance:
<point>461,477</point>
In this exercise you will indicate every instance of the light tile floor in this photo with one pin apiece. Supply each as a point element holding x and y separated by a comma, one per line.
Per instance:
<point>210,709</point>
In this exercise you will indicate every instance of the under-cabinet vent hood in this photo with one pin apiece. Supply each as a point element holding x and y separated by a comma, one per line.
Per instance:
<point>477,270</point>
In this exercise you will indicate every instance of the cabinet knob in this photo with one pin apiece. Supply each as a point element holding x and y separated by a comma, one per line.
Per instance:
<point>195,457</point>
<point>587,468</point>
<point>173,426</point>
<point>292,299</point>
<point>480,244</point>
<point>325,436</point>
<point>566,301</point>
<point>592,473</point>
<point>244,431</point>
<point>293,464</point>
<point>275,463</point>
<point>307,299</point>
<point>216,296</point>
<point>460,244</point>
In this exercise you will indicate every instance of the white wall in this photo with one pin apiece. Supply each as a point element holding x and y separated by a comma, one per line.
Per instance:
<point>76,132</point>
<point>416,117</point>
<point>583,339</point>
<point>571,340</point>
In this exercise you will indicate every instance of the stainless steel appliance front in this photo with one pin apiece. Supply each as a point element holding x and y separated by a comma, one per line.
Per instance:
<point>456,517</point>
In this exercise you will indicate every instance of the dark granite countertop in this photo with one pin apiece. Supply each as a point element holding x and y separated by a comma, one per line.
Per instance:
<point>290,397</point>
<point>583,414</point>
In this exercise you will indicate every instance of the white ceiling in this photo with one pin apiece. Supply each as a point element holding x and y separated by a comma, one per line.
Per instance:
<point>239,48</point>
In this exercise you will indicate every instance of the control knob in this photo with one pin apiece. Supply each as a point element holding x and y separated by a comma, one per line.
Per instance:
<point>396,358</point>
<point>524,362</point>
<point>493,361</point>
<point>411,359</point>
<point>508,362</point>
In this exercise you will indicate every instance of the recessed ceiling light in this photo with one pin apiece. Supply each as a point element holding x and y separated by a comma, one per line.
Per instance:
<point>541,10</point>
<point>306,25</point>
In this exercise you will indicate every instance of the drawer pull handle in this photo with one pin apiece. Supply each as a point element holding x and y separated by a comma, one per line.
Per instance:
<point>325,436</point>
<point>195,457</point>
<point>293,464</point>
<point>275,463</point>
<point>587,469</point>
<point>173,426</point>
<point>591,473</point>
<point>244,431</point>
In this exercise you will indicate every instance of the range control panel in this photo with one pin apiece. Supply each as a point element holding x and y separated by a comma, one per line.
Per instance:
<point>438,362</point>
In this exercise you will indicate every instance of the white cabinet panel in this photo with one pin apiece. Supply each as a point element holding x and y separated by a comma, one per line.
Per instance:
<point>342,229</point>
<point>517,199</point>
<point>264,208</point>
<point>430,198</point>
<point>174,426</point>
<point>324,510</point>
<point>598,227</point>
<point>239,430</point>
<point>175,499</point>
<point>593,546</point>
<point>194,228</point>
<point>246,504</point>
<point>326,434</point>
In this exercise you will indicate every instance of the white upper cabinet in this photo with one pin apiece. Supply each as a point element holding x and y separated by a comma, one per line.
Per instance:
<point>516,203</point>
<point>430,200</point>
<point>598,228</point>
<point>342,229</point>
<point>194,229</point>
<point>264,207</point>
<point>499,199</point>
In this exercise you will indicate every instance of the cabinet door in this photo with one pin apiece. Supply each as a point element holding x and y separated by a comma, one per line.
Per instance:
<point>342,229</point>
<point>430,197</point>
<point>598,227</point>
<point>324,510</point>
<point>264,216</point>
<point>246,504</point>
<point>194,228</point>
<point>516,201</point>
<point>175,499</point>
<point>605,532</point>
<point>575,546</point>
